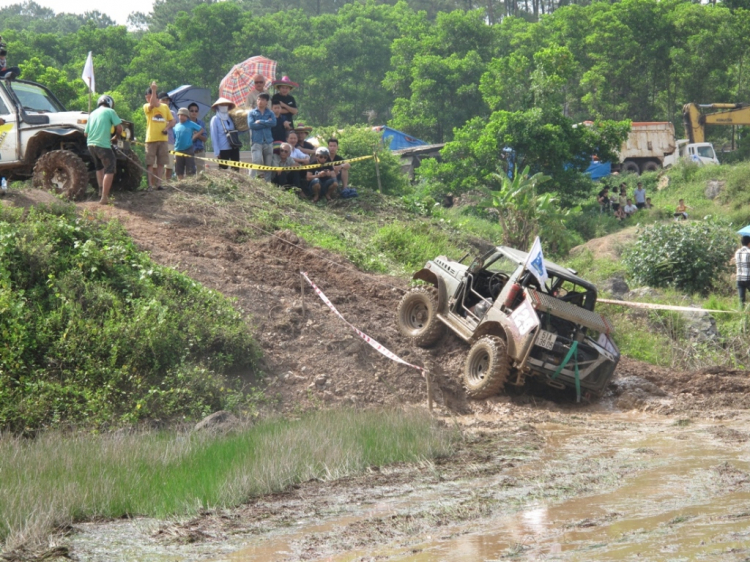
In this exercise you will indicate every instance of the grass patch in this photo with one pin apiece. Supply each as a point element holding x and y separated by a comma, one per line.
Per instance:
<point>54,480</point>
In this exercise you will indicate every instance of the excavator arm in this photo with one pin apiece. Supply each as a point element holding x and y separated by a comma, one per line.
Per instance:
<point>695,121</point>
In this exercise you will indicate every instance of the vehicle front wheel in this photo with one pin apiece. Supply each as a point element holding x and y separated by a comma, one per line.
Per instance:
<point>417,316</point>
<point>128,174</point>
<point>486,367</point>
<point>62,172</point>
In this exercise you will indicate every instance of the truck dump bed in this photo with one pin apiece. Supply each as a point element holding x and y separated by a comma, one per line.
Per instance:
<point>649,140</point>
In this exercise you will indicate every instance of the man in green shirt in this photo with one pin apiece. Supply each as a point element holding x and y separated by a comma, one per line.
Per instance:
<point>103,128</point>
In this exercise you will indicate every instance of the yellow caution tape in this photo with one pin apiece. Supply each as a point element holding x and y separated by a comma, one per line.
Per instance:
<point>261,167</point>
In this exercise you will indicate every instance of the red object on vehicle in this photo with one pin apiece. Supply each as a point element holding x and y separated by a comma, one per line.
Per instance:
<point>512,294</point>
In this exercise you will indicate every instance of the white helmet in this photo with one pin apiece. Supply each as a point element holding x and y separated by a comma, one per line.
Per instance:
<point>322,151</point>
<point>106,100</point>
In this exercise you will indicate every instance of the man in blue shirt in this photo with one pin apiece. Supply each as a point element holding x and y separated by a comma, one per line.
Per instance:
<point>99,134</point>
<point>199,146</point>
<point>261,120</point>
<point>185,133</point>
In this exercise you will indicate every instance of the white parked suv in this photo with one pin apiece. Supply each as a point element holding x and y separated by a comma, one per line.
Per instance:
<point>40,139</point>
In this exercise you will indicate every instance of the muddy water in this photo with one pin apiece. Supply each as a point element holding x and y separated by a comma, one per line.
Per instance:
<point>600,487</point>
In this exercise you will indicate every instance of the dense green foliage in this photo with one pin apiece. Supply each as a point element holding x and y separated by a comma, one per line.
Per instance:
<point>689,256</point>
<point>91,330</point>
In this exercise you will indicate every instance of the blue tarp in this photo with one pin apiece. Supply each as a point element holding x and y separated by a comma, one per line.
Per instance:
<point>398,140</point>
<point>599,170</point>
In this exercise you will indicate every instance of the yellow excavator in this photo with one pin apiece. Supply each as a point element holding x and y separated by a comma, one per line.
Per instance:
<point>695,120</point>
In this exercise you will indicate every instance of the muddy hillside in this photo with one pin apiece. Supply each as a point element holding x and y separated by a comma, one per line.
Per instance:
<point>311,357</point>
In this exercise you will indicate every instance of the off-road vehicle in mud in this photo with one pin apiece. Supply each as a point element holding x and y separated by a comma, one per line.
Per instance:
<point>41,139</point>
<point>516,328</point>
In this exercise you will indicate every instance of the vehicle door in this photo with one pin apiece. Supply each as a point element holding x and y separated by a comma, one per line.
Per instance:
<point>8,132</point>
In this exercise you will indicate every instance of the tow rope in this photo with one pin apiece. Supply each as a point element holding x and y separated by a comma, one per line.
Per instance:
<point>571,353</point>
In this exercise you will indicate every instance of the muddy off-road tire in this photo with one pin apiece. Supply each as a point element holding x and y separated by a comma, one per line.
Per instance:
<point>417,316</point>
<point>62,172</point>
<point>128,174</point>
<point>486,367</point>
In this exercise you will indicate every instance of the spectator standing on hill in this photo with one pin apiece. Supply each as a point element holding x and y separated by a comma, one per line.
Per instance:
<point>159,121</point>
<point>278,131</point>
<point>169,167</point>
<point>261,120</point>
<point>185,133</point>
<point>742,261</point>
<point>199,144</point>
<point>99,140</point>
<point>342,170</point>
<point>286,101</point>
<point>622,199</point>
<point>259,87</point>
<point>640,196</point>
<point>221,124</point>
<point>603,199</point>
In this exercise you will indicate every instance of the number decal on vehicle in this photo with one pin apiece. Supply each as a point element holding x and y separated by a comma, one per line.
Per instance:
<point>524,318</point>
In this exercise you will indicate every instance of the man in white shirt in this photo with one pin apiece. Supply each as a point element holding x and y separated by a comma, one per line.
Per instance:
<point>640,196</point>
<point>630,209</point>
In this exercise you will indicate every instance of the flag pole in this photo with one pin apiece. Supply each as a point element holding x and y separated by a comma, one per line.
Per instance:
<point>89,95</point>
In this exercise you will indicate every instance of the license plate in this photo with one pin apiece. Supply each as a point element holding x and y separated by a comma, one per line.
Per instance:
<point>546,339</point>
<point>120,144</point>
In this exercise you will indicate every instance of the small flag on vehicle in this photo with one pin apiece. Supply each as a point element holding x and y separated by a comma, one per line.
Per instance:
<point>535,262</point>
<point>88,74</point>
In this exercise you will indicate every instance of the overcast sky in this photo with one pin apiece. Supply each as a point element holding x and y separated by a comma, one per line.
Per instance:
<point>117,10</point>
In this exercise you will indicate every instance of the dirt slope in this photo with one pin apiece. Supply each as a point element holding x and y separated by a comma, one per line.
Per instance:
<point>314,358</point>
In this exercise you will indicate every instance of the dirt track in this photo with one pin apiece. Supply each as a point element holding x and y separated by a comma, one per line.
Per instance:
<point>315,359</point>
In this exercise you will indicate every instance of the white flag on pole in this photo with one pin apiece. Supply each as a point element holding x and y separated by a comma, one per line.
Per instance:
<point>88,74</point>
<point>535,262</point>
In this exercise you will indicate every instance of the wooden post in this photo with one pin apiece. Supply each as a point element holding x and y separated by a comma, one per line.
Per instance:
<point>377,171</point>
<point>429,389</point>
<point>302,294</point>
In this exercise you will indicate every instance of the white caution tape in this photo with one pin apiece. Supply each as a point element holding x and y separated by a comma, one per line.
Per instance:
<point>652,306</point>
<point>378,347</point>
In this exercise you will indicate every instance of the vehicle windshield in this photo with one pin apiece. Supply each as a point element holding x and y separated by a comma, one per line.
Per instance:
<point>35,98</point>
<point>500,262</point>
<point>706,151</point>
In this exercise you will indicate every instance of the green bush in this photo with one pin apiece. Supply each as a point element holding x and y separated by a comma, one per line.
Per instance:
<point>689,256</point>
<point>363,141</point>
<point>411,244</point>
<point>91,330</point>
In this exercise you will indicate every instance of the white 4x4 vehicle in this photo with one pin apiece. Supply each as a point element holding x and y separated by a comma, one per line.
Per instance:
<point>516,328</point>
<point>41,139</point>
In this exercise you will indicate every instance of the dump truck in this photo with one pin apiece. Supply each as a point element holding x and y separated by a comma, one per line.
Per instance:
<point>652,145</point>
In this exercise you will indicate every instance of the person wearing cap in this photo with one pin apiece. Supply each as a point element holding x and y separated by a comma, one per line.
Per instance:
<point>284,160</point>
<point>259,87</point>
<point>185,133</point>
<point>159,121</point>
<point>260,121</point>
<point>322,180</point>
<point>99,140</point>
<point>199,144</point>
<point>169,167</point>
<point>302,144</point>
<point>221,124</point>
<point>286,100</point>
<point>742,261</point>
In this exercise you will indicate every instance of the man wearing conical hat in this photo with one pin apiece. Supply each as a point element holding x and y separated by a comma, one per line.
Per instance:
<point>286,100</point>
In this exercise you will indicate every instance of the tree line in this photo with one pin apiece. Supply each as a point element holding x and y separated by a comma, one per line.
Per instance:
<point>441,71</point>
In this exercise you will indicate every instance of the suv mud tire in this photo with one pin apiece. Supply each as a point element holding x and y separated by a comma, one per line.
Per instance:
<point>486,367</point>
<point>128,174</point>
<point>417,316</point>
<point>62,172</point>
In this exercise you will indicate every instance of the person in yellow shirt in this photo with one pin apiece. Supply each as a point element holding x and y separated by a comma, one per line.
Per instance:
<point>159,121</point>
<point>680,213</point>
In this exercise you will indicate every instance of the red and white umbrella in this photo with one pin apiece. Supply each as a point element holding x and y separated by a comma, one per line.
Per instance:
<point>236,85</point>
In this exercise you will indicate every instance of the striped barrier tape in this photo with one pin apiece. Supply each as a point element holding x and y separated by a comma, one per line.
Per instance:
<point>374,344</point>
<point>261,167</point>
<point>652,306</point>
